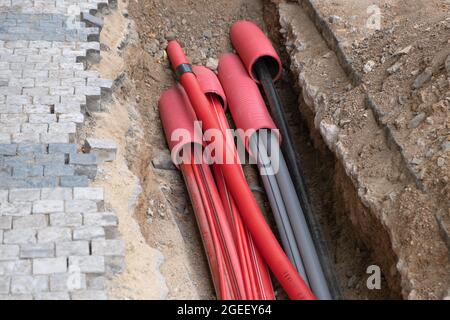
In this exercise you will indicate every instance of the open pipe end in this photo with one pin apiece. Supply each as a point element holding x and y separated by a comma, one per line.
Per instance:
<point>178,121</point>
<point>253,46</point>
<point>210,84</point>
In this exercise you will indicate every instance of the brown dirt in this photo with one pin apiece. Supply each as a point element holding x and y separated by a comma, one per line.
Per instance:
<point>398,176</point>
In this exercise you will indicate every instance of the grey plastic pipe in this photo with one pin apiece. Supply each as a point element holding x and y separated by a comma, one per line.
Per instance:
<point>299,225</point>
<point>276,203</point>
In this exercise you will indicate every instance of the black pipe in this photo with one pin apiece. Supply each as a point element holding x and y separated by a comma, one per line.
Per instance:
<point>287,146</point>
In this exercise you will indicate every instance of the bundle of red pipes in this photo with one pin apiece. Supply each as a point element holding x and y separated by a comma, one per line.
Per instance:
<point>239,243</point>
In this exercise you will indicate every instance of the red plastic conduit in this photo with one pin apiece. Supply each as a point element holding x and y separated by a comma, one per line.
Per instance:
<point>255,273</point>
<point>252,44</point>
<point>264,239</point>
<point>216,236</point>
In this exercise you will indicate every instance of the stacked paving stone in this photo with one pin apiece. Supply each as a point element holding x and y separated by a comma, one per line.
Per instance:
<point>56,239</point>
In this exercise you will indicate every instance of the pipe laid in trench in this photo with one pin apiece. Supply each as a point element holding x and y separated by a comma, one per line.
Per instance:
<point>243,94</point>
<point>255,274</point>
<point>277,205</point>
<point>264,239</point>
<point>297,219</point>
<point>254,270</point>
<point>211,217</point>
<point>264,66</point>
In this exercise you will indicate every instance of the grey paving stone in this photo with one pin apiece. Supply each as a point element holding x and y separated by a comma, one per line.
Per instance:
<point>27,170</point>
<point>48,206</point>
<point>92,19</point>
<point>21,236</point>
<point>15,267</point>
<point>29,284</point>
<point>66,282</point>
<point>8,149</point>
<point>16,208</point>
<point>65,148</point>
<point>35,221</point>
<point>52,296</point>
<point>30,148</point>
<point>4,194</point>
<point>41,182</point>
<point>16,297</point>
<point>105,149</point>
<point>49,265</point>
<point>58,170</point>
<point>84,170</point>
<point>51,159</point>
<point>102,219</point>
<point>38,250</point>
<point>88,193</point>
<point>5,282</point>
<point>80,206</point>
<point>54,234</point>
<point>108,247</point>
<point>72,248</point>
<point>56,194</point>
<point>66,219</point>
<point>88,233</point>
<point>83,159</point>
<point>9,252</point>
<point>24,194</point>
<point>19,160</point>
<point>89,295</point>
<point>74,181</point>
<point>5,222</point>
<point>88,264</point>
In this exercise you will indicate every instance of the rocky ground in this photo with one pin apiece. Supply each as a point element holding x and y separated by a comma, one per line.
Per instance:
<point>382,107</point>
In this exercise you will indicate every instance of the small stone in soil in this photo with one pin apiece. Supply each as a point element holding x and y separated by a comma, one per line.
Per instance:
<point>163,162</point>
<point>416,161</point>
<point>368,67</point>
<point>207,34</point>
<point>394,68</point>
<point>153,46</point>
<point>212,63</point>
<point>417,120</point>
<point>402,99</point>
<point>170,36</point>
<point>403,51</point>
<point>444,229</point>
<point>423,78</point>
<point>445,146</point>
<point>447,64</point>
<point>334,19</point>
<point>104,47</point>
<point>352,282</point>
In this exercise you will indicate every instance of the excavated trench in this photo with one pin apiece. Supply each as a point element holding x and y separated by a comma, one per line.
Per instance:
<point>154,191</point>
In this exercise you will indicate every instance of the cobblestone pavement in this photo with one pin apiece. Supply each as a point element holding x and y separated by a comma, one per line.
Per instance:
<point>56,240</point>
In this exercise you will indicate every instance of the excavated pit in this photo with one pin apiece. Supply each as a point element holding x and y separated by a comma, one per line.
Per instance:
<point>165,257</point>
